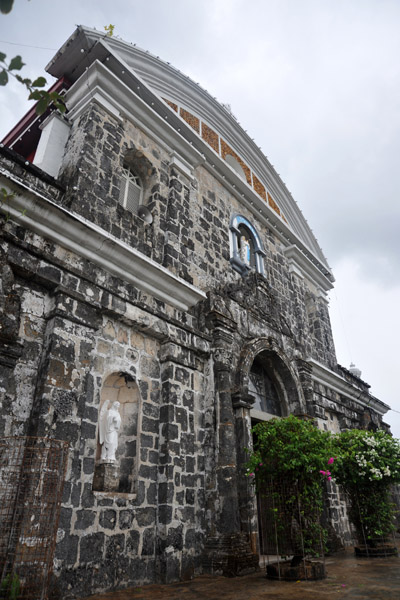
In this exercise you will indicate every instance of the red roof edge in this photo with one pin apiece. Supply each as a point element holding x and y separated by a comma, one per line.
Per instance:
<point>31,115</point>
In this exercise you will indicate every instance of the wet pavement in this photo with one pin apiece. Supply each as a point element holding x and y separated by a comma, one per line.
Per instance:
<point>347,577</point>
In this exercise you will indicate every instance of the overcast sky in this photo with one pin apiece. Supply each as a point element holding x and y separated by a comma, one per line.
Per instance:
<point>316,83</point>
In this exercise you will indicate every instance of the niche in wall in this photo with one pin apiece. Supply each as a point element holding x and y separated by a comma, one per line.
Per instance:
<point>120,387</point>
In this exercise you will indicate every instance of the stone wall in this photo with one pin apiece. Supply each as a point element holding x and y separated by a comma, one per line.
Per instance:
<point>190,230</point>
<point>70,327</point>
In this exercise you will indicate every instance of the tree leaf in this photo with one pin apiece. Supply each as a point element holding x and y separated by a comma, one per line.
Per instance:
<point>42,105</point>
<point>2,57</point>
<point>6,6</point>
<point>27,82</point>
<point>3,77</point>
<point>39,82</point>
<point>35,95</point>
<point>16,64</point>
<point>60,106</point>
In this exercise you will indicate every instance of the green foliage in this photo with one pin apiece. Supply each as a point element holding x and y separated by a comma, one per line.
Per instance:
<point>43,98</point>
<point>10,587</point>
<point>292,451</point>
<point>6,6</point>
<point>289,447</point>
<point>109,29</point>
<point>367,464</point>
<point>16,64</point>
<point>366,456</point>
<point>5,195</point>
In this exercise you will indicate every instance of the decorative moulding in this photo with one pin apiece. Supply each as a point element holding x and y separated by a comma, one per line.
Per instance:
<point>99,84</point>
<point>336,382</point>
<point>298,261</point>
<point>152,78</point>
<point>39,214</point>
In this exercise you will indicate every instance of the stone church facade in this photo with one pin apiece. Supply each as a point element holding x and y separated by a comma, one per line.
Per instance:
<point>151,255</point>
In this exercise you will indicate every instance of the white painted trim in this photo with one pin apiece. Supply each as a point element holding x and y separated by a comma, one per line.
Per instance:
<point>182,165</point>
<point>43,216</point>
<point>99,84</point>
<point>52,142</point>
<point>293,268</point>
<point>336,382</point>
<point>87,45</point>
<point>309,270</point>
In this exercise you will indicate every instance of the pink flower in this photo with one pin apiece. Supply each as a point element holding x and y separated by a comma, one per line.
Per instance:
<point>323,472</point>
<point>260,464</point>
<point>251,474</point>
<point>328,473</point>
<point>330,461</point>
<point>329,478</point>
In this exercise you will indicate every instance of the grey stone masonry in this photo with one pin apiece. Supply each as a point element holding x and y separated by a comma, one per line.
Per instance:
<point>150,313</point>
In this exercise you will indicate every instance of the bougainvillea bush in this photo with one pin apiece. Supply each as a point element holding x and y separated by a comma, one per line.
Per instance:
<point>367,464</point>
<point>291,451</point>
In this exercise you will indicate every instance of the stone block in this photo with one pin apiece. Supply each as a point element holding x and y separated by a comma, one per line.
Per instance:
<point>145,516</point>
<point>108,518</point>
<point>67,549</point>
<point>125,519</point>
<point>84,519</point>
<point>115,546</point>
<point>92,548</point>
<point>132,542</point>
<point>106,477</point>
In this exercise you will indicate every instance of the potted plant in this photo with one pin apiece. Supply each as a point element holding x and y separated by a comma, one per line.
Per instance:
<point>285,466</point>
<point>367,464</point>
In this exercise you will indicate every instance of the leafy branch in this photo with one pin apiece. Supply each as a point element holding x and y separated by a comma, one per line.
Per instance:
<point>109,29</point>
<point>43,98</point>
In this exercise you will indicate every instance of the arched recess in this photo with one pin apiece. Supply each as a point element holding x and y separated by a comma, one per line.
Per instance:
<point>121,387</point>
<point>267,356</point>
<point>246,248</point>
<point>145,177</point>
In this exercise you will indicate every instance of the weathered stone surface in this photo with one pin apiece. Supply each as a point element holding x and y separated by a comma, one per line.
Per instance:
<point>176,494</point>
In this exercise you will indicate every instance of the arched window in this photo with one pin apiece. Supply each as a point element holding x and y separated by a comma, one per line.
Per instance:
<point>246,248</point>
<point>236,166</point>
<point>262,387</point>
<point>131,191</point>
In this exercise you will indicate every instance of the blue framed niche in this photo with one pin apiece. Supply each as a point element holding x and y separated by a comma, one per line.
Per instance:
<point>247,253</point>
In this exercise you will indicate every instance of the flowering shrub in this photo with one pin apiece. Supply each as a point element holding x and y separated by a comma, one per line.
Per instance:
<point>292,451</point>
<point>367,464</point>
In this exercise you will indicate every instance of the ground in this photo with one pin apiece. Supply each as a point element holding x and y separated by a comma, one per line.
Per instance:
<point>347,577</point>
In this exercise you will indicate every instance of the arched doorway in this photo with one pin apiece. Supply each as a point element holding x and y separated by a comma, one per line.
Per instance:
<point>267,386</point>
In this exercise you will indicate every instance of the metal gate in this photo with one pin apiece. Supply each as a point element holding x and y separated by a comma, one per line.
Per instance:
<point>32,473</point>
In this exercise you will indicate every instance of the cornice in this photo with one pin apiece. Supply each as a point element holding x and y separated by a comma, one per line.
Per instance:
<point>87,45</point>
<point>322,374</point>
<point>123,94</point>
<point>73,232</point>
<point>99,84</point>
<point>299,261</point>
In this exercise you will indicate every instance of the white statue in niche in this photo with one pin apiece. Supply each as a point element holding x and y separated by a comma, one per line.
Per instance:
<point>244,250</point>
<point>109,426</point>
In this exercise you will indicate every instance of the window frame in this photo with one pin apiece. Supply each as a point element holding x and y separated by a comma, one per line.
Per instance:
<point>259,254</point>
<point>129,177</point>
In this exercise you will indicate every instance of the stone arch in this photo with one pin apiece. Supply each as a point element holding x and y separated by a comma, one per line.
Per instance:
<point>136,160</point>
<point>280,369</point>
<point>241,228</point>
<point>122,477</point>
<point>290,394</point>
